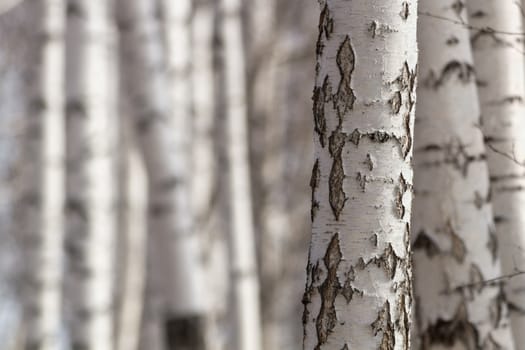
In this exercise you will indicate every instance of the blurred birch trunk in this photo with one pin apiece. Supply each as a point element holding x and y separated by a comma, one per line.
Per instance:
<point>91,142</point>
<point>500,73</point>
<point>39,209</point>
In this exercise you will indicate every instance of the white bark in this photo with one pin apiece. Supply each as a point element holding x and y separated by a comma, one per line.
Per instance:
<point>358,290</point>
<point>204,173</point>
<point>90,204</point>
<point>133,286</point>
<point>500,72</point>
<point>243,264</point>
<point>163,135</point>
<point>40,205</point>
<point>454,242</point>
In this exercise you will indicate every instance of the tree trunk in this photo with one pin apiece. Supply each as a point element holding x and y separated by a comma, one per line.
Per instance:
<point>358,290</point>
<point>42,173</point>
<point>455,242</point>
<point>90,203</point>
<point>243,264</point>
<point>499,66</point>
<point>163,140</point>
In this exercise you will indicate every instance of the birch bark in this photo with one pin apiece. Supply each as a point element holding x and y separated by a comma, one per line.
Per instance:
<point>455,247</point>
<point>90,202</point>
<point>40,202</point>
<point>243,264</point>
<point>162,133</point>
<point>358,290</point>
<point>500,73</point>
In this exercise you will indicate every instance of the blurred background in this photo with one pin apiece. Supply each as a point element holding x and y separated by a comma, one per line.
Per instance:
<point>155,165</point>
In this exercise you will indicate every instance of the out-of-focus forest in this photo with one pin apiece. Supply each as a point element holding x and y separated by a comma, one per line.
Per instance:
<point>122,128</point>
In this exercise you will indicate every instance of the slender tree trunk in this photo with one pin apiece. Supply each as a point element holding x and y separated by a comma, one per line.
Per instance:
<point>90,204</point>
<point>500,66</point>
<point>243,264</point>
<point>454,242</point>
<point>204,168</point>
<point>41,194</point>
<point>358,290</point>
<point>163,138</point>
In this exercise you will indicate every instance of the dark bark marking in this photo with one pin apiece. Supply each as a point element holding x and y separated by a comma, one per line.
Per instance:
<point>327,318</point>
<point>369,162</point>
<point>425,243</point>
<point>492,244</point>
<point>372,27</point>
<point>463,71</point>
<point>404,10</point>
<point>383,324</point>
<point>326,28</point>
<point>75,108</point>
<point>458,6</point>
<point>452,41</point>
<point>448,332</point>
<point>395,102</point>
<point>348,291</point>
<point>361,180</point>
<point>344,98</point>
<point>388,261</point>
<point>314,184</point>
<point>476,277</point>
<point>78,207</point>
<point>320,97</point>
<point>400,192</point>
<point>337,196</point>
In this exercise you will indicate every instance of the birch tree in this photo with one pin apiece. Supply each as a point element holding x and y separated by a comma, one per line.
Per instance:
<point>162,132</point>
<point>358,289</point>
<point>90,202</point>
<point>455,242</point>
<point>38,210</point>
<point>243,262</point>
<point>500,72</point>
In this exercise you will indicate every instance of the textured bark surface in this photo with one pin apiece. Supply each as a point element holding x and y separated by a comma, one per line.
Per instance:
<point>358,290</point>
<point>163,135</point>
<point>38,209</point>
<point>90,201</point>
<point>454,243</point>
<point>500,75</point>
<point>243,263</point>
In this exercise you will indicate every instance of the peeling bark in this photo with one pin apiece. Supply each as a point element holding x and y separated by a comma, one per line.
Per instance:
<point>359,264</point>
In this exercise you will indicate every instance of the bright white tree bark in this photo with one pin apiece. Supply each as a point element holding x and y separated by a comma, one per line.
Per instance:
<point>39,210</point>
<point>500,72</point>
<point>243,264</point>
<point>90,203</point>
<point>162,123</point>
<point>455,246</point>
<point>358,290</point>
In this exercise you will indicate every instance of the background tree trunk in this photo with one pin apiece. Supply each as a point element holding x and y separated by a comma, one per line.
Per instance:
<point>455,241</point>
<point>39,208</point>
<point>90,203</point>
<point>358,290</point>
<point>243,263</point>
<point>500,73</point>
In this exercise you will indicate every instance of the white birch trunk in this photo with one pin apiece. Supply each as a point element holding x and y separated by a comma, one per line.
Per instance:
<point>90,204</point>
<point>358,291</point>
<point>163,136</point>
<point>500,72</point>
<point>204,169</point>
<point>133,279</point>
<point>455,248</point>
<point>243,263</point>
<point>268,148</point>
<point>42,192</point>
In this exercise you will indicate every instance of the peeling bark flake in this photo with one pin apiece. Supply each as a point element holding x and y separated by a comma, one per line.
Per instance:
<point>337,196</point>
<point>344,98</point>
<point>314,184</point>
<point>327,318</point>
<point>383,324</point>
